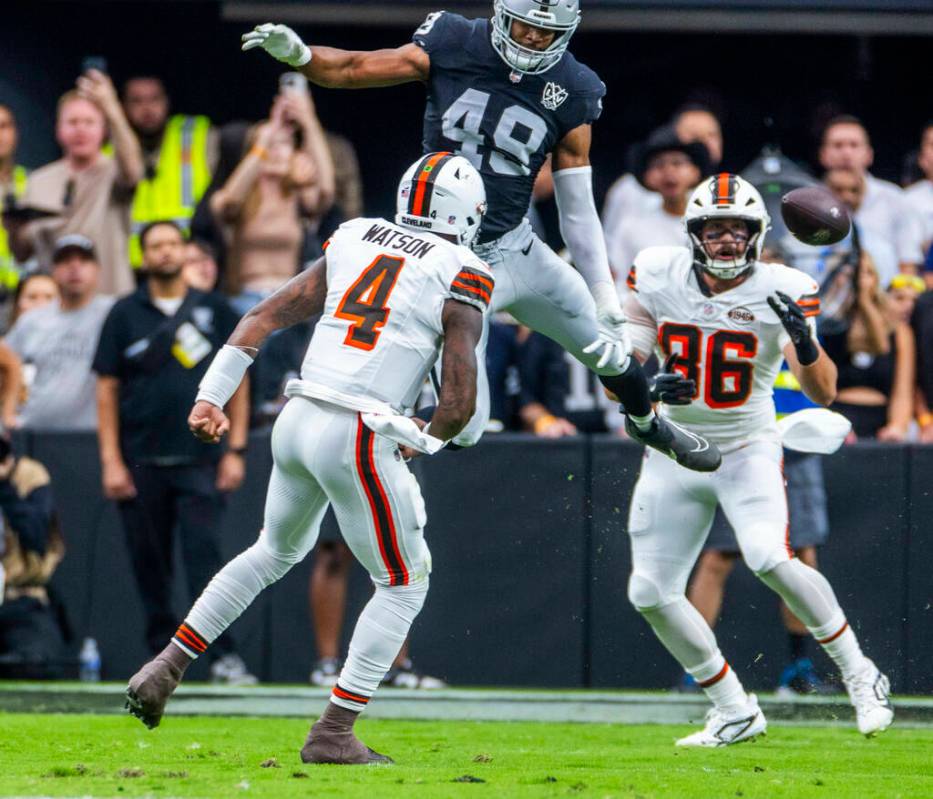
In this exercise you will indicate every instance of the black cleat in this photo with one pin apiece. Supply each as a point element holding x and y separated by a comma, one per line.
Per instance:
<point>688,449</point>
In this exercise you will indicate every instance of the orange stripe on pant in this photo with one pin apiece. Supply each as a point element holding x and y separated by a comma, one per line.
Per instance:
<point>379,507</point>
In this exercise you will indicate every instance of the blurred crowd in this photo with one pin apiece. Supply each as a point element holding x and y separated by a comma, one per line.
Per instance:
<point>125,263</point>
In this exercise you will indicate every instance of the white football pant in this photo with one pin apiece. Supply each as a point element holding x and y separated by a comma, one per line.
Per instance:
<point>324,454</point>
<point>671,514</point>
<point>542,291</point>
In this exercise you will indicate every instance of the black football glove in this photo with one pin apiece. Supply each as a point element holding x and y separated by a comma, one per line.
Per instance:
<point>795,323</point>
<point>671,387</point>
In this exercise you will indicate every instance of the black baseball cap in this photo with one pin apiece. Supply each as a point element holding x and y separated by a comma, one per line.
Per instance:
<point>73,242</point>
<point>663,140</point>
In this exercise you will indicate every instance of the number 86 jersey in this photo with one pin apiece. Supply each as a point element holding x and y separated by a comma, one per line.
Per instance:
<point>731,344</point>
<point>382,328</point>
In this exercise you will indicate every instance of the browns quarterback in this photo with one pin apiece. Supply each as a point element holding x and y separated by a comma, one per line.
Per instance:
<point>725,321</point>
<point>391,296</point>
<point>504,93</point>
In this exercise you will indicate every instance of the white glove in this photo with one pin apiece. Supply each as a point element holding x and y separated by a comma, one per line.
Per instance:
<point>613,342</point>
<point>280,42</point>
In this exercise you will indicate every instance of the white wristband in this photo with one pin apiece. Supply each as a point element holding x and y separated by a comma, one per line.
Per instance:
<point>223,376</point>
<point>303,57</point>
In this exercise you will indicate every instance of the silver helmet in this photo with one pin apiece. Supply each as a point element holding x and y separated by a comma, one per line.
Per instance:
<point>559,16</point>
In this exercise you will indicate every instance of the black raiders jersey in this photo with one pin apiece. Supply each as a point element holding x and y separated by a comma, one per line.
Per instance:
<point>504,122</point>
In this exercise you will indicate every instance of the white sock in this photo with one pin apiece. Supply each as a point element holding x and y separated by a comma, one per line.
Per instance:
<point>228,594</point>
<point>687,636</point>
<point>809,595</point>
<point>720,683</point>
<point>377,638</point>
<point>839,642</point>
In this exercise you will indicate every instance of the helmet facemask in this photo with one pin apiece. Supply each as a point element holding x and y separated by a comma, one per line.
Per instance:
<point>527,60</point>
<point>726,198</point>
<point>732,265</point>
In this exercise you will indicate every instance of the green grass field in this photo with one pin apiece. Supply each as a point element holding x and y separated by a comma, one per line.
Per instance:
<point>85,755</point>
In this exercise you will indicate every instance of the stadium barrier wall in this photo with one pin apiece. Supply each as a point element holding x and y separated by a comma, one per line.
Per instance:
<point>531,562</point>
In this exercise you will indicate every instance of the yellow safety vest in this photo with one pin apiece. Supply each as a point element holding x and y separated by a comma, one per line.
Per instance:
<point>9,271</point>
<point>182,175</point>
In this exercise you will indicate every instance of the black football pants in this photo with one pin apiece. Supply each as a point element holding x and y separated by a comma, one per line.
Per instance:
<point>167,496</point>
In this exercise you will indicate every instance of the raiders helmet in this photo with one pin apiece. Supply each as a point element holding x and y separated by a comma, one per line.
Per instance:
<point>559,16</point>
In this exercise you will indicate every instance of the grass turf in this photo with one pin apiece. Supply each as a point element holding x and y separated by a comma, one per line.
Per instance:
<point>83,755</point>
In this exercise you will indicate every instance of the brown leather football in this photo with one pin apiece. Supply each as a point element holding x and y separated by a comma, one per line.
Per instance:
<point>814,216</point>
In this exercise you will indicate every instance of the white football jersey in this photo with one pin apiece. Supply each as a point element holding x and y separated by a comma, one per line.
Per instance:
<point>381,330</point>
<point>731,344</point>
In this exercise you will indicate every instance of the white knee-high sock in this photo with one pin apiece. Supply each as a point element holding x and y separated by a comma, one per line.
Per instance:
<point>377,638</point>
<point>809,595</point>
<point>228,594</point>
<point>687,636</point>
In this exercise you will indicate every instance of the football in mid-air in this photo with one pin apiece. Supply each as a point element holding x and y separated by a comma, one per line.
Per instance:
<point>814,216</point>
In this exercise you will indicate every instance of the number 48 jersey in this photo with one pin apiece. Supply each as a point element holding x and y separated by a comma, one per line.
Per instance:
<point>503,122</point>
<point>731,344</point>
<point>381,330</point>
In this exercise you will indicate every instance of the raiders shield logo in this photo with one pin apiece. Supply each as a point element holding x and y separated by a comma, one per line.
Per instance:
<point>553,96</point>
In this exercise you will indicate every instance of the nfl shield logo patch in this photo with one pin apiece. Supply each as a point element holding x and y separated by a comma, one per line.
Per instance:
<point>553,96</point>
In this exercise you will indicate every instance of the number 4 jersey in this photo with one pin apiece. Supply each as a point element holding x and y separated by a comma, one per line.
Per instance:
<point>381,330</point>
<point>731,344</point>
<point>505,123</point>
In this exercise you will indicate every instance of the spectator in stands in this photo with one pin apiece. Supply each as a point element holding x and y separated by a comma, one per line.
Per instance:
<point>695,122</point>
<point>87,191</point>
<point>180,153</point>
<point>11,388</point>
<point>286,177</point>
<point>56,342</point>
<point>674,168</point>
<point>348,185</point>
<point>200,265</point>
<point>528,381</point>
<point>628,196</point>
<point>920,194</point>
<point>921,322</point>
<point>31,547</point>
<point>155,347</point>
<point>875,357</point>
<point>849,186</point>
<point>12,187</point>
<point>884,209</point>
<point>33,291</point>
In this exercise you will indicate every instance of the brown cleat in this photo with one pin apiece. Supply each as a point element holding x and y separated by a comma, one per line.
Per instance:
<point>331,740</point>
<point>154,683</point>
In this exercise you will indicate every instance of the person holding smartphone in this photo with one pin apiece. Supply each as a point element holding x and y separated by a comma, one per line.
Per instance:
<point>87,191</point>
<point>284,183</point>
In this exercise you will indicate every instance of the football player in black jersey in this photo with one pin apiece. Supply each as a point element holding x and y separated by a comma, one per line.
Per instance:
<point>504,93</point>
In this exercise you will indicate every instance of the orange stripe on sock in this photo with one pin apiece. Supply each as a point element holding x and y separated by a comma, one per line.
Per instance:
<point>834,636</point>
<point>713,680</point>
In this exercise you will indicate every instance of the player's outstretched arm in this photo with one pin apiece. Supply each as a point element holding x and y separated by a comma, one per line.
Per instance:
<point>341,69</point>
<point>581,229</point>
<point>463,326</point>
